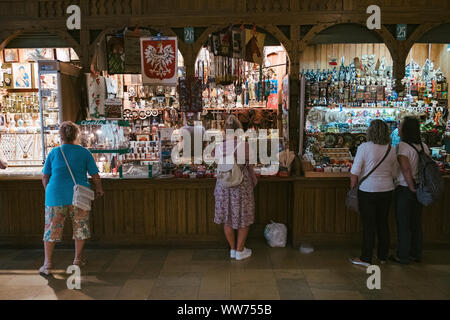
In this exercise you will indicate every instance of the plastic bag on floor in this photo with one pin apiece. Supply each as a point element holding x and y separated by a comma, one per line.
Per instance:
<point>276,235</point>
<point>306,248</point>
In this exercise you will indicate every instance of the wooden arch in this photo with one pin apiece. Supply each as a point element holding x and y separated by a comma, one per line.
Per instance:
<point>273,30</point>
<point>62,34</point>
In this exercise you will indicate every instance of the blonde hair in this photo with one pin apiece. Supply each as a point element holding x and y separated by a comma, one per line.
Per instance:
<point>68,131</point>
<point>233,123</point>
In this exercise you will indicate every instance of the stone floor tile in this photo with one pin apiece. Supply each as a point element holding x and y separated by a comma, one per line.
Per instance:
<point>253,277</point>
<point>327,294</point>
<point>27,281</point>
<point>178,279</point>
<point>19,292</point>
<point>216,283</point>
<point>135,290</point>
<point>288,274</point>
<point>254,292</point>
<point>125,261</point>
<point>325,276</point>
<point>202,255</point>
<point>214,296</point>
<point>271,273</point>
<point>294,289</point>
<point>174,293</point>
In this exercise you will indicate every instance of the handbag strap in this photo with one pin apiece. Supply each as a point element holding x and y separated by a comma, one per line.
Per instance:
<point>376,167</point>
<point>68,167</point>
<point>412,146</point>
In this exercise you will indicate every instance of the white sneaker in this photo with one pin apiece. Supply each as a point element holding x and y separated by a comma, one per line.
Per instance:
<point>244,254</point>
<point>233,254</point>
<point>358,262</point>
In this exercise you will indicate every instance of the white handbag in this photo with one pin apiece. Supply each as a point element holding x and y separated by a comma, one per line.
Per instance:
<point>82,196</point>
<point>229,175</point>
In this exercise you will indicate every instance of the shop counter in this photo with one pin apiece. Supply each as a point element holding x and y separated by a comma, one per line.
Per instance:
<point>140,211</point>
<point>320,215</point>
<point>181,212</point>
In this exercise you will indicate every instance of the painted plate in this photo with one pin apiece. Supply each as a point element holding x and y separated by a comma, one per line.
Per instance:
<point>330,140</point>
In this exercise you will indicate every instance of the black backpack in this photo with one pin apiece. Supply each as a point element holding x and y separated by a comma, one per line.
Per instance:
<point>431,184</point>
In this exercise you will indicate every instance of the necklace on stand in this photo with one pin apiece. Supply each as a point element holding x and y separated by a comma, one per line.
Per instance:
<point>25,145</point>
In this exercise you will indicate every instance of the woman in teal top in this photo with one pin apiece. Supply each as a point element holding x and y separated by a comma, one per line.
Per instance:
<point>58,185</point>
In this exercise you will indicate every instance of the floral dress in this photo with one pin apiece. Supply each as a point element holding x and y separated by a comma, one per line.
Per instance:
<point>235,207</point>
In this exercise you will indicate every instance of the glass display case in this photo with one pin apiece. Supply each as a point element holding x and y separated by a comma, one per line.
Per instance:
<point>108,141</point>
<point>50,104</point>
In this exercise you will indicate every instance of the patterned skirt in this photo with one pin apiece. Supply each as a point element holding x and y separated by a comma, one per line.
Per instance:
<point>235,207</point>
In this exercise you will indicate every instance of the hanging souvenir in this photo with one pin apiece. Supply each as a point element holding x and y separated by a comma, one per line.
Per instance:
<point>113,108</point>
<point>115,54</point>
<point>254,46</point>
<point>226,49</point>
<point>97,94</point>
<point>272,90</point>
<point>159,61</point>
<point>190,95</point>
<point>238,51</point>
<point>214,43</point>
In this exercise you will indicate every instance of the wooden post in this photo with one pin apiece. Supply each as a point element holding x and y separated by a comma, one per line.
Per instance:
<point>85,58</point>
<point>294,97</point>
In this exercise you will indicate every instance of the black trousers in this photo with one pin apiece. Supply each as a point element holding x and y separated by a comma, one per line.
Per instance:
<point>374,209</point>
<point>409,225</point>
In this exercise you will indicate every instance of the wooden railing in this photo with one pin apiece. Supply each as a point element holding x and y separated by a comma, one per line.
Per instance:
<point>56,9</point>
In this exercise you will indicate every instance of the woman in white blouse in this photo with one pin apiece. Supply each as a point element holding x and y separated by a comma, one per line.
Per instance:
<point>375,192</point>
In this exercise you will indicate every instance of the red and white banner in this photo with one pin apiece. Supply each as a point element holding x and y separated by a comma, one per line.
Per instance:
<point>159,59</point>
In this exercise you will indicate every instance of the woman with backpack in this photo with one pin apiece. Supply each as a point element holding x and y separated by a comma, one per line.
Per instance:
<point>408,208</point>
<point>235,202</point>
<point>373,172</point>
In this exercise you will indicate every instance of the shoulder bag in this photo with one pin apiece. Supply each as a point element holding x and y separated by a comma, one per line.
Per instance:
<point>352,196</point>
<point>82,196</point>
<point>229,175</point>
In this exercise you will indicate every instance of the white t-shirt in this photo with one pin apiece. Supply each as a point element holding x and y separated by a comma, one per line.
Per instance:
<point>368,156</point>
<point>406,150</point>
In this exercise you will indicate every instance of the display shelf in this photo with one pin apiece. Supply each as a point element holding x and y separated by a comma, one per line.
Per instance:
<point>314,174</point>
<point>239,109</point>
<point>118,151</point>
<point>120,123</point>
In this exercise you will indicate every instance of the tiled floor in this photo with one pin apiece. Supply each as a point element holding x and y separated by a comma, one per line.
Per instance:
<point>188,274</point>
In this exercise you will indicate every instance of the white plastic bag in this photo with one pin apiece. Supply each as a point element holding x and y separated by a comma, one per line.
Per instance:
<point>276,235</point>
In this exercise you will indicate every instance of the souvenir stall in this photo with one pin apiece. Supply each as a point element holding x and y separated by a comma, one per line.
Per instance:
<point>139,97</point>
<point>341,102</point>
<point>346,86</point>
<point>138,100</point>
<point>39,88</point>
<point>242,75</point>
<point>159,100</point>
<point>132,98</point>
